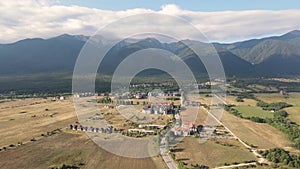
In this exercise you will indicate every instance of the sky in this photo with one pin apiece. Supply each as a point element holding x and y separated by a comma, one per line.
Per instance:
<point>193,5</point>
<point>218,20</point>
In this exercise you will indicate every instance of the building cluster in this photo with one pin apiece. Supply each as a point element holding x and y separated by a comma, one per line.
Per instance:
<point>186,129</point>
<point>152,126</point>
<point>131,95</point>
<point>162,108</point>
<point>145,95</point>
<point>169,93</point>
<point>192,103</point>
<point>141,131</point>
<point>108,129</point>
<point>84,94</point>
<point>205,85</point>
<point>58,98</point>
<point>143,128</point>
<point>144,85</point>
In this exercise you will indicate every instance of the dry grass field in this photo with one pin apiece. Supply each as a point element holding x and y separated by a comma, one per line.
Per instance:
<point>22,120</point>
<point>212,153</point>
<point>261,135</point>
<point>70,148</point>
<point>230,100</point>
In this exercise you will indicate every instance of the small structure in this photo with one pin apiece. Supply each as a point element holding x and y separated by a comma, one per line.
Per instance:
<point>142,131</point>
<point>152,126</point>
<point>192,103</point>
<point>62,98</point>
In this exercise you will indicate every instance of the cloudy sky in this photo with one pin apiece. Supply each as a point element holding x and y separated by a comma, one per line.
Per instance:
<point>219,20</point>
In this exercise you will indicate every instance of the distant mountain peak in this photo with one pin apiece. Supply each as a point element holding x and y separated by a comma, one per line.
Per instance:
<point>290,35</point>
<point>68,36</point>
<point>294,32</point>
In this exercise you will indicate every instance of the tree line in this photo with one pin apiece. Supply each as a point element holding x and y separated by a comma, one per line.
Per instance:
<point>278,155</point>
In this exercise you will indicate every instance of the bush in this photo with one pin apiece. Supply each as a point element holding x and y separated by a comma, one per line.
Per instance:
<point>280,113</point>
<point>239,99</point>
<point>273,106</point>
<point>278,155</point>
<point>181,165</point>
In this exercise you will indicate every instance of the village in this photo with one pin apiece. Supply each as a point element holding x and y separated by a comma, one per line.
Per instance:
<point>164,105</point>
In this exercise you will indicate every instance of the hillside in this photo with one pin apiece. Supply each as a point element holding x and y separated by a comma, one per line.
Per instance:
<point>49,63</point>
<point>258,50</point>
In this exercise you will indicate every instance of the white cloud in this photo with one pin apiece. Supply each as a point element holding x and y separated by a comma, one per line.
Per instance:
<point>30,18</point>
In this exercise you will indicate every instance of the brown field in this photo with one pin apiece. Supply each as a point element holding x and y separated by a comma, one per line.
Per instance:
<point>261,135</point>
<point>201,117</point>
<point>231,100</point>
<point>70,148</point>
<point>211,153</point>
<point>22,120</point>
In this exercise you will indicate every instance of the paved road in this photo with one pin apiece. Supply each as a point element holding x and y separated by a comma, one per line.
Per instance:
<point>164,152</point>
<point>166,156</point>
<point>167,159</point>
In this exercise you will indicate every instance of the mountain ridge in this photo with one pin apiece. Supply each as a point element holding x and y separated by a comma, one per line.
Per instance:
<point>59,54</point>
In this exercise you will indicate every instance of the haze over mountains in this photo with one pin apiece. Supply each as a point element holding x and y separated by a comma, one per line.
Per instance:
<point>272,56</point>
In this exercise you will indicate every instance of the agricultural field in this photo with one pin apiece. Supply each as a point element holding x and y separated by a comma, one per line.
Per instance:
<point>71,148</point>
<point>292,98</point>
<point>212,153</point>
<point>250,111</point>
<point>247,102</point>
<point>262,136</point>
<point>35,135</point>
<point>230,100</point>
<point>39,127</point>
<point>22,120</point>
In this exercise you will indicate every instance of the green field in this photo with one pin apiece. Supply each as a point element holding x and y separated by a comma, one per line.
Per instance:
<point>250,111</point>
<point>293,98</point>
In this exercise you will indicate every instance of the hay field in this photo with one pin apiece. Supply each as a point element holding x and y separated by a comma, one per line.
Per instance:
<point>212,153</point>
<point>22,120</point>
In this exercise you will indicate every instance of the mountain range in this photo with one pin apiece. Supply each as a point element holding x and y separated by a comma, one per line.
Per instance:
<point>271,56</point>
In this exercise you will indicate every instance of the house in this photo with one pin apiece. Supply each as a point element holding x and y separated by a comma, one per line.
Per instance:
<point>186,128</point>
<point>62,98</point>
<point>76,95</point>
